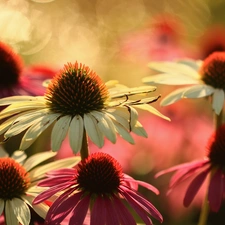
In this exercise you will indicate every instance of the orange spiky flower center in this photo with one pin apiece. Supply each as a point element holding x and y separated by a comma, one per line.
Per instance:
<point>99,174</point>
<point>14,179</point>
<point>76,90</point>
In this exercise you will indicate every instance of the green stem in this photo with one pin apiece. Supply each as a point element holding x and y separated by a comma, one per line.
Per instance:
<point>84,152</point>
<point>205,207</point>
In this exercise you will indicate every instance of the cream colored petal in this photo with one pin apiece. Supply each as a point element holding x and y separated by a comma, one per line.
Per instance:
<point>76,131</point>
<point>173,97</point>
<point>2,206</point>
<point>10,217</point>
<point>41,209</point>
<point>21,210</point>
<point>120,115</point>
<point>170,79</point>
<point>218,101</point>
<point>36,130</point>
<point>36,159</point>
<point>195,64</point>
<point>198,91</point>
<point>124,133</point>
<point>139,130</point>
<point>59,132</point>
<point>111,83</point>
<point>16,108</point>
<point>174,68</point>
<point>93,130</point>
<point>14,99</point>
<point>152,110</point>
<point>40,171</point>
<point>105,125</point>
<point>133,116</point>
<point>23,122</point>
<point>19,156</point>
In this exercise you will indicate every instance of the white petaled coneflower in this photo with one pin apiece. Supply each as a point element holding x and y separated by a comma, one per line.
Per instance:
<point>78,102</point>
<point>18,189</point>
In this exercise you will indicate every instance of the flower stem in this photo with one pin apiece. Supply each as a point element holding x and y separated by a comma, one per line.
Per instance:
<point>84,152</point>
<point>205,207</point>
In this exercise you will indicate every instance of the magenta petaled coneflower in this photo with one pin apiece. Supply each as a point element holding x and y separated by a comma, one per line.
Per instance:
<point>99,185</point>
<point>18,80</point>
<point>213,164</point>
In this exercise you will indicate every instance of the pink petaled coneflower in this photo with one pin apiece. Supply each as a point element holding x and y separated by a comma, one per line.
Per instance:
<point>213,164</point>
<point>18,80</point>
<point>97,184</point>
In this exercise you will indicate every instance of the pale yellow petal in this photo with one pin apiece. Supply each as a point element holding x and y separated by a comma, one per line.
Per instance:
<point>93,130</point>
<point>218,101</point>
<point>59,132</point>
<point>76,131</point>
<point>21,210</point>
<point>14,99</point>
<point>19,156</point>
<point>139,130</point>
<point>124,133</point>
<point>2,206</point>
<point>10,217</point>
<point>36,159</point>
<point>198,91</point>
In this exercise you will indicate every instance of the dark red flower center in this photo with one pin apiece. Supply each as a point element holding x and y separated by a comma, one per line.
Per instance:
<point>10,66</point>
<point>216,147</point>
<point>213,70</point>
<point>14,179</point>
<point>76,90</point>
<point>99,174</point>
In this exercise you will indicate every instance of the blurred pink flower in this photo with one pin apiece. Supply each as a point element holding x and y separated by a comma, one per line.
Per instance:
<point>18,80</point>
<point>212,164</point>
<point>97,181</point>
<point>161,40</point>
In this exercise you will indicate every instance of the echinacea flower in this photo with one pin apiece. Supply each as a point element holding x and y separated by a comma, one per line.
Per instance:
<point>17,79</point>
<point>213,166</point>
<point>206,79</point>
<point>97,184</point>
<point>18,189</point>
<point>78,102</point>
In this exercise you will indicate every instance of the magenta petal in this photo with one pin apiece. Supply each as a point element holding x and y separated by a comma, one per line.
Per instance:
<point>49,182</point>
<point>194,164</point>
<point>61,172</point>
<point>80,211</point>
<point>141,211</point>
<point>98,209</point>
<point>123,214</point>
<point>215,193</point>
<point>194,187</point>
<point>61,207</point>
<point>149,207</point>
<point>111,215</point>
<point>50,192</point>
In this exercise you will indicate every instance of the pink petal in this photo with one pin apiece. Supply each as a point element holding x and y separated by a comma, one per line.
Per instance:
<point>123,214</point>
<point>194,187</point>
<point>149,207</point>
<point>80,211</point>
<point>143,184</point>
<point>215,193</point>
<point>138,208</point>
<point>49,182</point>
<point>111,216</point>
<point>130,184</point>
<point>98,209</point>
<point>50,192</point>
<point>61,207</point>
<point>198,163</point>
<point>64,171</point>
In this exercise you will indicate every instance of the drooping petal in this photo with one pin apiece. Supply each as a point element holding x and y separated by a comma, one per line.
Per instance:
<point>111,214</point>
<point>21,210</point>
<point>93,130</point>
<point>35,159</point>
<point>123,133</point>
<point>80,211</point>
<point>106,125</point>
<point>59,132</point>
<point>194,187</point>
<point>76,131</point>
<point>215,192</point>
<point>198,91</point>
<point>139,130</point>
<point>19,156</point>
<point>173,97</point>
<point>218,100</point>
<point>98,209</point>
<point>9,214</point>
<point>2,206</point>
